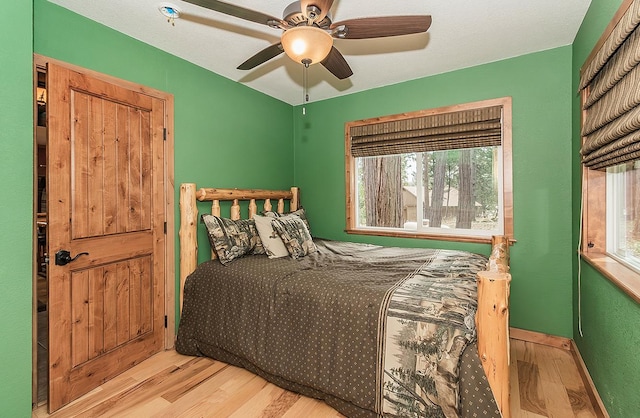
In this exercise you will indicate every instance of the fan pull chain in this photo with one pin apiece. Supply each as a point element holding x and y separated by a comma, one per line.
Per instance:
<point>305,84</point>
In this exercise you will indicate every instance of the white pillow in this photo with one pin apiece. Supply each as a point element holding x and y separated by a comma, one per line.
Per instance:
<point>271,241</point>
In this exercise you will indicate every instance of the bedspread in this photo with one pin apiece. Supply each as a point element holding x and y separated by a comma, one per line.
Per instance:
<point>371,330</point>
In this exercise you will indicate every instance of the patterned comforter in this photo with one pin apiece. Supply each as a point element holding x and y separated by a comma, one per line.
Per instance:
<point>374,331</point>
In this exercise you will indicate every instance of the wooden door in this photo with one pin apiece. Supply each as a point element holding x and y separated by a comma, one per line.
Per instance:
<point>106,198</point>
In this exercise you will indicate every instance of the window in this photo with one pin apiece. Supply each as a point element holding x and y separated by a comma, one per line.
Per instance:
<point>610,93</point>
<point>623,217</point>
<point>441,173</point>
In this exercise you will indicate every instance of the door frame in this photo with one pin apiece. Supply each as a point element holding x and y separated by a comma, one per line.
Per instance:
<point>40,61</point>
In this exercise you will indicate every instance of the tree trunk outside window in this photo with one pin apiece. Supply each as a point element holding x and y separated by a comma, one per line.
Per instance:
<point>437,194</point>
<point>466,204</point>
<point>426,208</point>
<point>383,191</point>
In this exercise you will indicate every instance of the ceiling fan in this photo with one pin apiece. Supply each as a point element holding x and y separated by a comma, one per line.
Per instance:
<point>308,32</point>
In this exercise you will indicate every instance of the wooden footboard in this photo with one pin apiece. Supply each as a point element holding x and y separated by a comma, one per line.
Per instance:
<point>492,318</point>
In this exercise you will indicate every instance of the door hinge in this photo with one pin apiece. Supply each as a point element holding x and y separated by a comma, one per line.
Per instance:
<point>166,321</point>
<point>165,228</point>
<point>164,134</point>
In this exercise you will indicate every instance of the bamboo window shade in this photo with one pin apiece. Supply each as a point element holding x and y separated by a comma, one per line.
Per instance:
<point>480,127</point>
<point>610,83</point>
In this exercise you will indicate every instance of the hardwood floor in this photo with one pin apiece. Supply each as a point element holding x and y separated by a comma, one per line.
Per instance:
<point>545,382</point>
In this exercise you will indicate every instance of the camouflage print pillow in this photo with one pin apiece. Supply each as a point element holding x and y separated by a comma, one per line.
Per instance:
<point>300,212</point>
<point>295,235</point>
<point>232,239</point>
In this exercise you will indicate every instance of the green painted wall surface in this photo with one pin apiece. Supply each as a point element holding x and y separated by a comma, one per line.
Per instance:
<point>16,145</point>
<point>540,85</point>
<point>610,319</point>
<point>609,346</point>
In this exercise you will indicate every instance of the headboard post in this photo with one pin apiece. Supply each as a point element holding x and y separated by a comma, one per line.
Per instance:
<point>253,208</point>
<point>295,199</point>
<point>188,233</point>
<point>215,211</point>
<point>235,210</point>
<point>215,207</point>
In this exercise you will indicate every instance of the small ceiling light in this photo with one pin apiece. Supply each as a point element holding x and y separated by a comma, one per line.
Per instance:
<point>306,44</point>
<point>170,11</point>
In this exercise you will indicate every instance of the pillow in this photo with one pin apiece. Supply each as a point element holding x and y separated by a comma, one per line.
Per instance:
<point>232,239</point>
<point>295,235</point>
<point>300,212</point>
<point>273,245</point>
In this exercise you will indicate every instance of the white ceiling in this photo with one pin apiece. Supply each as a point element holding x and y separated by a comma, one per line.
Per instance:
<point>464,33</point>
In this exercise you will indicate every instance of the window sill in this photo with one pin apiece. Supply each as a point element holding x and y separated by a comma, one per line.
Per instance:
<point>623,277</point>
<point>402,234</point>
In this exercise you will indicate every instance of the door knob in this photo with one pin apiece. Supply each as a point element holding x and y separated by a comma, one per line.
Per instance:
<point>63,257</point>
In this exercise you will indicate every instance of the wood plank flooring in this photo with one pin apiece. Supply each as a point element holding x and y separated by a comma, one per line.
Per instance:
<point>545,382</point>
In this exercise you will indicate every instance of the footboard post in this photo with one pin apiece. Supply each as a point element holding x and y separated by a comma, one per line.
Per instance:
<point>188,233</point>
<point>492,322</point>
<point>493,333</point>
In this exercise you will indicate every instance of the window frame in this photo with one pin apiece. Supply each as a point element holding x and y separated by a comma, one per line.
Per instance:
<point>593,248</point>
<point>507,182</point>
<point>616,189</point>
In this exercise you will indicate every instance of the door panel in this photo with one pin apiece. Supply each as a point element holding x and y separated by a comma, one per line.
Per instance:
<point>107,194</point>
<point>113,167</point>
<point>110,307</point>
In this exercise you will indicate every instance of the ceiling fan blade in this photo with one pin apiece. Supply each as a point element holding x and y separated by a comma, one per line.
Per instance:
<point>380,27</point>
<point>337,65</point>
<point>240,12</point>
<point>262,56</point>
<point>323,5</point>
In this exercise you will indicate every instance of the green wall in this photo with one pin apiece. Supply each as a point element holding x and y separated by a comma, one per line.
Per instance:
<point>540,85</point>
<point>16,145</point>
<point>610,318</point>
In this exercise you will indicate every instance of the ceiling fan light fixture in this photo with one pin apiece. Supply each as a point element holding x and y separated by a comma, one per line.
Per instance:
<point>304,43</point>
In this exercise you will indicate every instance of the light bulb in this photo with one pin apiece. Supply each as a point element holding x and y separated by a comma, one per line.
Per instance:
<point>307,43</point>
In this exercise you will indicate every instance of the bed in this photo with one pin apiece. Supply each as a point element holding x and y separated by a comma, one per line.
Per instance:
<point>373,331</point>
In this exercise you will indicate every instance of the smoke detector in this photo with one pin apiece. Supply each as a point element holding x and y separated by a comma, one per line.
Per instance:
<point>169,11</point>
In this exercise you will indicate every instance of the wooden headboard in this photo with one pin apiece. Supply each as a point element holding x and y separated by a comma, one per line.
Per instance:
<point>190,195</point>
<point>492,318</point>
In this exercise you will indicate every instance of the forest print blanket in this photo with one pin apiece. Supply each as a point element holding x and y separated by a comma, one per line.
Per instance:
<point>373,331</point>
<point>429,322</point>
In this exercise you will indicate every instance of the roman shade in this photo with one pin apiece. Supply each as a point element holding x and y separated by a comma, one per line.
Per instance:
<point>479,127</point>
<point>610,84</point>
